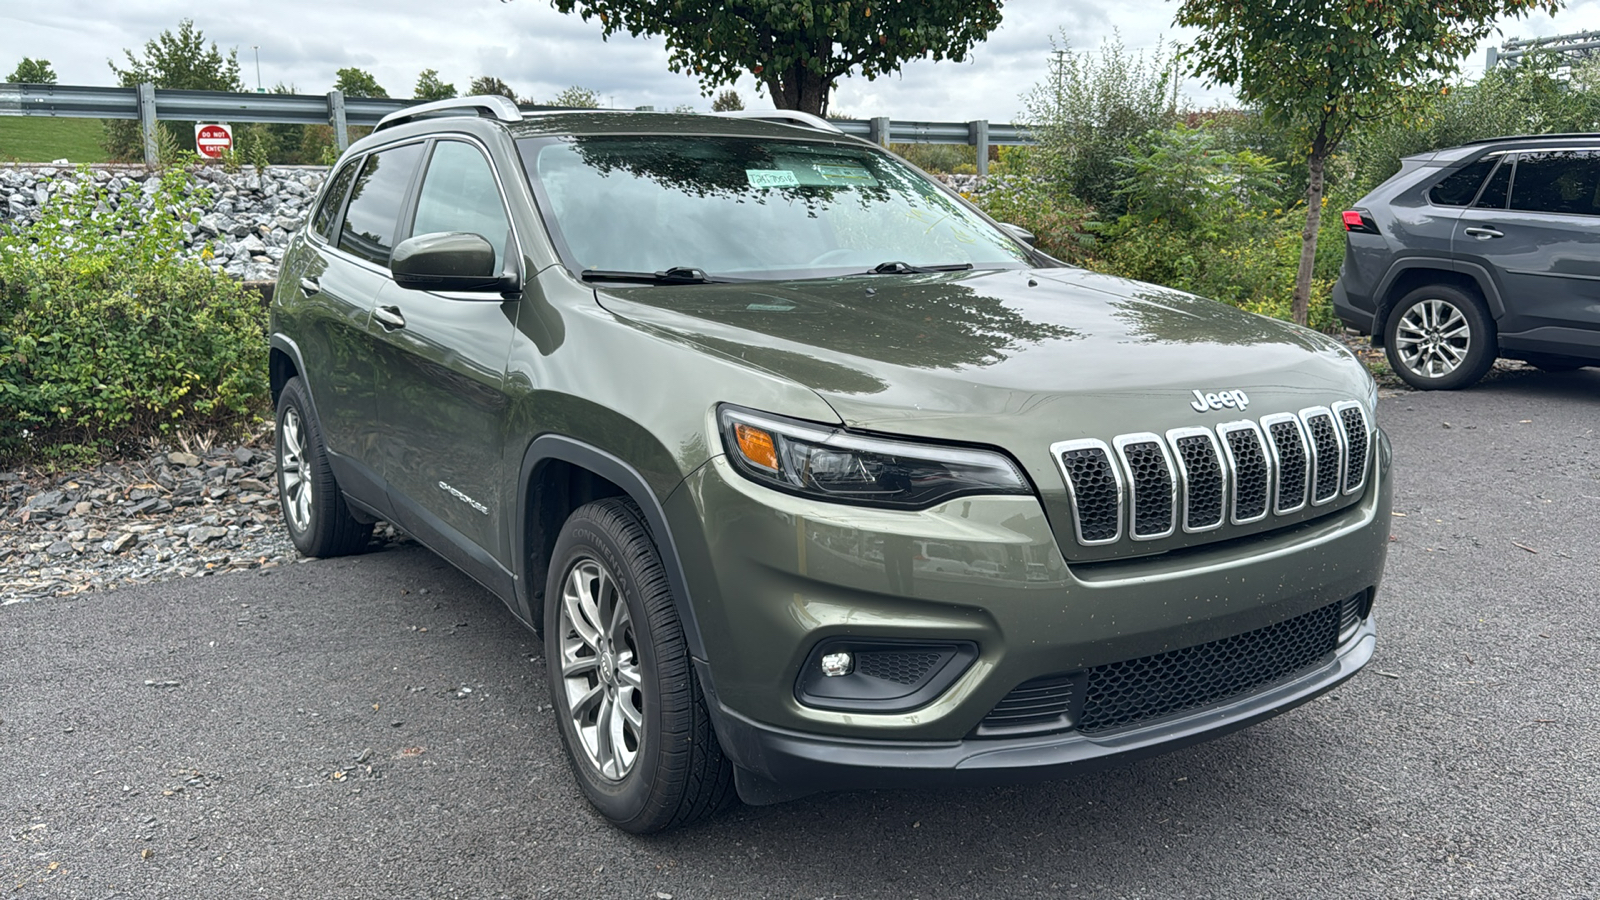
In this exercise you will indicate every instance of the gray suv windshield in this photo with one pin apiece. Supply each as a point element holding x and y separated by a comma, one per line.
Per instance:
<point>750,208</point>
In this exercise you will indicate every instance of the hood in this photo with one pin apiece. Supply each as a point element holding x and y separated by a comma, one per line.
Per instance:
<point>1021,358</point>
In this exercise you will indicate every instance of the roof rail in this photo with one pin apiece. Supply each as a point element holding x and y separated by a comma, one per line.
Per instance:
<point>491,106</point>
<point>783,117</point>
<point>1573,135</point>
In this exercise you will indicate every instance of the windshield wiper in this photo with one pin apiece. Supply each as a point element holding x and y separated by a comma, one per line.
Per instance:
<point>896,267</point>
<point>674,275</point>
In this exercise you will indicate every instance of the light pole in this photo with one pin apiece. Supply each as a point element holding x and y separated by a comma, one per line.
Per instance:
<point>257,49</point>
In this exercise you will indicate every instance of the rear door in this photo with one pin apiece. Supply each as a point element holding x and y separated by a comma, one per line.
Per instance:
<point>442,405</point>
<point>1536,228</point>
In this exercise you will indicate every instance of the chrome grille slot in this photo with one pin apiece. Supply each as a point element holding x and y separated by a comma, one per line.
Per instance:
<point>1327,453</point>
<point>1095,485</point>
<point>1203,477</point>
<point>1152,485</point>
<point>1252,470</point>
<point>1353,421</point>
<point>1292,461</point>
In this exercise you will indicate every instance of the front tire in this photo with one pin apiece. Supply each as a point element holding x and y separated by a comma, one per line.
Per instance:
<point>1440,338</point>
<point>631,713</point>
<point>319,521</point>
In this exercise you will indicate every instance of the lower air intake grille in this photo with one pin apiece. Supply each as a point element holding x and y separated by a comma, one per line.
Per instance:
<point>1137,690</point>
<point>898,666</point>
<point>1040,702</point>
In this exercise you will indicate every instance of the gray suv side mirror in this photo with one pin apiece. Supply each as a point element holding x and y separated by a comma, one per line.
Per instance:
<point>448,261</point>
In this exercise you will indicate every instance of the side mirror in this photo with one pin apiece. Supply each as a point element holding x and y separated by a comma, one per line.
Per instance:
<point>448,261</point>
<point>1018,232</point>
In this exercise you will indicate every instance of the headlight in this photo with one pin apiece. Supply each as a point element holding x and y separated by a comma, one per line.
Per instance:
<point>829,464</point>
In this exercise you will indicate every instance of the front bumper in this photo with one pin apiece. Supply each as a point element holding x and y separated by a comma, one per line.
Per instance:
<point>774,765</point>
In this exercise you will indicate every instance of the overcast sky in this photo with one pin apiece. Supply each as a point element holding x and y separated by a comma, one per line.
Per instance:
<point>539,51</point>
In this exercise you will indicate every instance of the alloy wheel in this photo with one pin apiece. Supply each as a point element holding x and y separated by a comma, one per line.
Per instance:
<point>600,672</point>
<point>292,468</point>
<point>1433,338</point>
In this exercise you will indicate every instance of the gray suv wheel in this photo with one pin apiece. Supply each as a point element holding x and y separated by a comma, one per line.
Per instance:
<point>1440,338</point>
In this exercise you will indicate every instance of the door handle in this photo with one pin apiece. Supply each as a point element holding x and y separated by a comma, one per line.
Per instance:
<point>1483,234</point>
<point>310,286</point>
<point>389,317</point>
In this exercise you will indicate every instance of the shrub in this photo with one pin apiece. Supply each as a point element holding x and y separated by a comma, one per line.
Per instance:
<point>107,335</point>
<point>1060,224</point>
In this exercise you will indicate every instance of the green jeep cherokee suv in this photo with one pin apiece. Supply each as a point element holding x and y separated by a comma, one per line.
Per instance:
<point>811,476</point>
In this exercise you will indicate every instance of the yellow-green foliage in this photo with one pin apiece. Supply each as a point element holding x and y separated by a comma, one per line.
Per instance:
<point>107,335</point>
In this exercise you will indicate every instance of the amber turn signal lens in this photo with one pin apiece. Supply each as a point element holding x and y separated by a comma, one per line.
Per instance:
<point>756,445</point>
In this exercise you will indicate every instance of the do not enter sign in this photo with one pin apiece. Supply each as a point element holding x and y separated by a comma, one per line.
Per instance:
<point>213,140</point>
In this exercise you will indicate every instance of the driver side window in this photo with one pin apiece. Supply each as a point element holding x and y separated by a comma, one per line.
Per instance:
<point>459,193</point>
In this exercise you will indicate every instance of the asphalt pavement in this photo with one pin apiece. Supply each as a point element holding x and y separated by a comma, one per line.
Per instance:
<point>378,727</point>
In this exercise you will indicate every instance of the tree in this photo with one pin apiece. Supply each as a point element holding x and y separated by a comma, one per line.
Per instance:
<point>33,71</point>
<point>727,101</point>
<point>797,51</point>
<point>353,82</point>
<point>575,98</point>
<point>180,61</point>
<point>429,87</point>
<point>488,84</point>
<point>1320,67</point>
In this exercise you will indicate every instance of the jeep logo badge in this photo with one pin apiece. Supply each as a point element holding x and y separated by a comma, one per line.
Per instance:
<point>1230,399</point>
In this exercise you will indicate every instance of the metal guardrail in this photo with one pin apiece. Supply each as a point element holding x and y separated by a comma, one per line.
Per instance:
<point>1575,47</point>
<point>147,104</point>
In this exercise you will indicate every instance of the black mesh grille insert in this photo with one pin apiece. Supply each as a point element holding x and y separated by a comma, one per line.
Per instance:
<point>1094,488</point>
<point>1038,702</point>
<point>1152,488</point>
<point>1291,449</point>
<point>1250,474</point>
<point>1137,690</point>
<point>1327,484</point>
<point>1355,437</point>
<point>898,666</point>
<point>1350,614</point>
<point>1203,482</point>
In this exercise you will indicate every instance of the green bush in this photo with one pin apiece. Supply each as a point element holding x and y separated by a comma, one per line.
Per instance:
<point>108,336</point>
<point>1060,224</point>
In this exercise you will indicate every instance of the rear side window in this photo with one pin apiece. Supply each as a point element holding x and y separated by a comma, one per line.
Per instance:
<point>1494,193</point>
<point>376,198</point>
<point>1558,181</point>
<point>459,193</point>
<point>327,213</point>
<point>1459,187</point>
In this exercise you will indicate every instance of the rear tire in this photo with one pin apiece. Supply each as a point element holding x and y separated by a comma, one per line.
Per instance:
<point>632,716</point>
<point>318,519</point>
<point>1440,338</point>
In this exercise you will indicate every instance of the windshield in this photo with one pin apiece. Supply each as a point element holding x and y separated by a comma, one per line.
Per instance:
<point>750,208</point>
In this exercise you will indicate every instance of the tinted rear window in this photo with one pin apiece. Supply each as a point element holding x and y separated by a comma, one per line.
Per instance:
<point>1558,181</point>
<point>323,223</point>
<point>374,211</point>
<point>1459,187</point>
<point>1494,193</point>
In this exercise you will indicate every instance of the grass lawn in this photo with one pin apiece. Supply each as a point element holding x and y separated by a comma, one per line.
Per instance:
<point>42,139</point>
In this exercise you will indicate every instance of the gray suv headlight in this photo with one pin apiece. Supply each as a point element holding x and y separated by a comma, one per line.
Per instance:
<point>829,464</point>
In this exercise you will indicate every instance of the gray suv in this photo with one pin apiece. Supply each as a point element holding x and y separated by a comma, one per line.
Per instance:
<point>1487,250</point>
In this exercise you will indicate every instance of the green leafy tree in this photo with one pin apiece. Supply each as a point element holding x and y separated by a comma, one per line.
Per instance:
<point>33,71</point>
<point>353,82</point>
<point>488,84</point>
<point>575,98</point>
<point>430,87</point>
<point>727,101</point>
<point>178,60</point>
<point>1091,110</point>
<point>797,51</point>
<point>1320,67</point>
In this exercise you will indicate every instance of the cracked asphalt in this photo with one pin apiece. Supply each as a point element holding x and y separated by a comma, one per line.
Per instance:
<point>377,727</point>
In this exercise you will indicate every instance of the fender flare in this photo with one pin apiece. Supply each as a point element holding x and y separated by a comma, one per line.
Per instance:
<point>287,346</point>
<point>1478,274</point>
<point>550,447</point>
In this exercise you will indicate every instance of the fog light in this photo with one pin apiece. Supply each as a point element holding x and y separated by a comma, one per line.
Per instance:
<point>836,664</point>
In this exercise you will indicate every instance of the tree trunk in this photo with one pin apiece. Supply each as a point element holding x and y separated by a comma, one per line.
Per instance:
<point>1301,309</point>
<point>800,89</point>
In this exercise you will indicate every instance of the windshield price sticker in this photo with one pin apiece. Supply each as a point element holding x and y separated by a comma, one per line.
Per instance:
<point>769,178</point>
